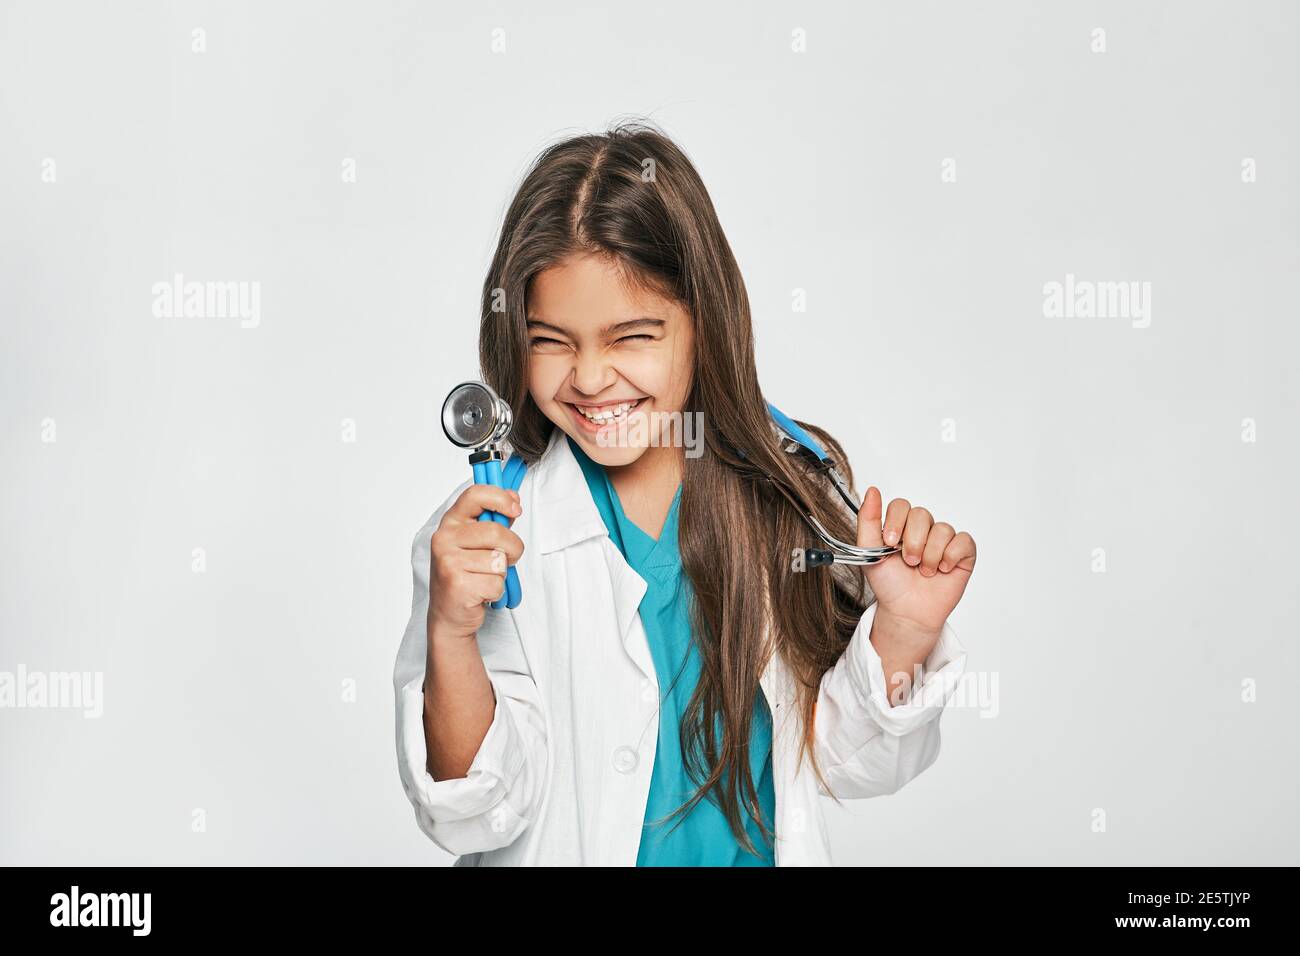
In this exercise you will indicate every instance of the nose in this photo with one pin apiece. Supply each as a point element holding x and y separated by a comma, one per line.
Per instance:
<point>592,374</point>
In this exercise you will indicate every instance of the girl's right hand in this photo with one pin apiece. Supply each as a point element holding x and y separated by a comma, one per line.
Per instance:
<point>468,560</point>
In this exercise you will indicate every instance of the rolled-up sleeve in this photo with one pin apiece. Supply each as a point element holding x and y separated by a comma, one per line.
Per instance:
<point>866,747</point>
<point>498,797</point>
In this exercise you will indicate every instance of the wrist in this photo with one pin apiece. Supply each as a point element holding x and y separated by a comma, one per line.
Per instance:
<point>897,633</point>
<point>442,635</point>
<point>902,646</point>
<point>450,652</point>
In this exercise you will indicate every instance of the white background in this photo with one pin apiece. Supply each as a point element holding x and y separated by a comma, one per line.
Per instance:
<point>1119,691</point>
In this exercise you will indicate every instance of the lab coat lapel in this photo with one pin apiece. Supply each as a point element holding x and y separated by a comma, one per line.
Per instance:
<point>775,682</point>
<point>565,516</point>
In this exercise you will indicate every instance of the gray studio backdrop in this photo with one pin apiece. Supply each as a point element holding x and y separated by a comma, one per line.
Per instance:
<point>1035,265</point>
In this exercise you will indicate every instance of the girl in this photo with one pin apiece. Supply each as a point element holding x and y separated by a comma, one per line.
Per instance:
<point>670,691</point>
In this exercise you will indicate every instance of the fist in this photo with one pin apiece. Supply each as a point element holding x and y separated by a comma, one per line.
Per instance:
<point>923,583</point>
<point>468,560</point>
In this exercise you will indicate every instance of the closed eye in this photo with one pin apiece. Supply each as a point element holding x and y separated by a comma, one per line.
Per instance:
<point>545,340</point>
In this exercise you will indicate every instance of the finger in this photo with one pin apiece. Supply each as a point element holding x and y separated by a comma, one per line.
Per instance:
<point>485,562</point>
<point>477,499</point>
<point>940,535</point>
<point>869,520</point>
<point>485,588</point>
<point>895,519</point>
<point>915,532</point>
<point>486,535</point>
<point>960,553</point>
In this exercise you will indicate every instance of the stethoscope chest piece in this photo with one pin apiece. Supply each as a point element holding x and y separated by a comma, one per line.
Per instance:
<point>474,416</point>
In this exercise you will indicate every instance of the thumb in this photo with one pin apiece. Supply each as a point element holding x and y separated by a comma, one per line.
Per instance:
<point>869,520</point>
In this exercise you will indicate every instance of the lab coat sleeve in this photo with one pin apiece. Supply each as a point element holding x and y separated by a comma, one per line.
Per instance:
<point>867,748</point>
<point>498,797</point>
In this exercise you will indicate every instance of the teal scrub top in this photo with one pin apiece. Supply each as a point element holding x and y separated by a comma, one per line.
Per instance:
<point>703,838</point>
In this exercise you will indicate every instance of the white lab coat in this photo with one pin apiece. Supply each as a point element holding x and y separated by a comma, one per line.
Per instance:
<point>563,775</point>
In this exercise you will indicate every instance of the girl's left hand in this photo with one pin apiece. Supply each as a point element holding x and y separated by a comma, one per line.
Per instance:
<point>920,586</point>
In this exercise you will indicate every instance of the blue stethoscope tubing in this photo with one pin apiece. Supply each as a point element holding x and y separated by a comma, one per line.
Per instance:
<point>490,473</point>
<point>794,431</point>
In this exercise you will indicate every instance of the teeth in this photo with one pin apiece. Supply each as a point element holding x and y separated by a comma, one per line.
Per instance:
<point>610,413</point>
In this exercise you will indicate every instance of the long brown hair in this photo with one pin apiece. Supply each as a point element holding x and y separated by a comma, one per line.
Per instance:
<point>591,195</point>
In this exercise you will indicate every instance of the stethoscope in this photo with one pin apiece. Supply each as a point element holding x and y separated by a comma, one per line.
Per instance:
<point>797,441</point>
<point>475,417</point>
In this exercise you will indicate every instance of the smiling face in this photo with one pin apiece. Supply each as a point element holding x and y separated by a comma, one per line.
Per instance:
<point>606,361</point>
